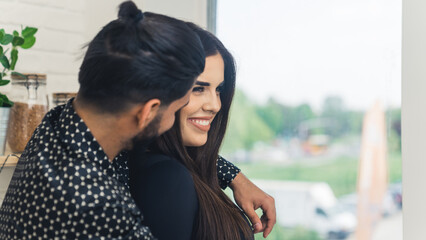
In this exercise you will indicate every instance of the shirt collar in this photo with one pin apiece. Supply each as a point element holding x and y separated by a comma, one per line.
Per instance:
<point>78,137</point>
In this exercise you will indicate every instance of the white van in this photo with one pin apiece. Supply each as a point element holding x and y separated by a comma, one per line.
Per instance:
<point>310,205</point>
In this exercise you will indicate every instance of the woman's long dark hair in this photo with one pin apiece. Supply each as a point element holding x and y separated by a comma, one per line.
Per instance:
<point>218,217</point>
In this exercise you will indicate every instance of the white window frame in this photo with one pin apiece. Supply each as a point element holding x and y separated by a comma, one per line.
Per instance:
<point>414,118</point>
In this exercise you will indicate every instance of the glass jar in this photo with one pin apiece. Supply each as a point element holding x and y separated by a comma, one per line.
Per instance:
<point>30,105</point>
<point>60,98</point>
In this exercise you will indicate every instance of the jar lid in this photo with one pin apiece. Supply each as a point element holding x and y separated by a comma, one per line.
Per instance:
<point>64,94</point>
<point>62,97</point>
<point>25,76</point>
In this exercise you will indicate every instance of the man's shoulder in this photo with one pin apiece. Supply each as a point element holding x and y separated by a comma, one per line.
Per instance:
<point>46,131</point>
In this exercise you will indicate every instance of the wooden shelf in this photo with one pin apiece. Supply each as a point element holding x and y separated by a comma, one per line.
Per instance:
<point>12,161</point>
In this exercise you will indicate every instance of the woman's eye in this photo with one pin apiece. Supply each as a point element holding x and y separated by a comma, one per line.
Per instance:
<point>198,89</point>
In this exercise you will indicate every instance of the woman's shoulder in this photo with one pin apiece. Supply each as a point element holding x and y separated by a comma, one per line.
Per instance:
<point>164,190</point>
<point>162,169</point>
<point>158,161</point>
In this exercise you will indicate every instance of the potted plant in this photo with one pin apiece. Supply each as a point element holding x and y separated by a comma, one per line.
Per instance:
<point>9,49</point>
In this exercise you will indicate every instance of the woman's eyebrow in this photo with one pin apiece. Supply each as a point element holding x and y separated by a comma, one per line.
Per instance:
<point>205,84</point>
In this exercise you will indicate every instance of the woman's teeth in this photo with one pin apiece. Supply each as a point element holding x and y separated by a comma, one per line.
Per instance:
<point>201,122</point>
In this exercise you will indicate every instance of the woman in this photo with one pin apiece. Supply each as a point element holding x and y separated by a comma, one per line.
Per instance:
<point>186,201</point>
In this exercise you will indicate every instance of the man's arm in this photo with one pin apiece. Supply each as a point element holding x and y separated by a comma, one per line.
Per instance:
<point>248,196</point>
<point>226,172</point>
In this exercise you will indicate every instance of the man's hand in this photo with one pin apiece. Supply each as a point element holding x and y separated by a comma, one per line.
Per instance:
<point>249,197</point>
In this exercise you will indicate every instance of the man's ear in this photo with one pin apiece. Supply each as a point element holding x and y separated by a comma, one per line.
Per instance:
<point>148,112</point>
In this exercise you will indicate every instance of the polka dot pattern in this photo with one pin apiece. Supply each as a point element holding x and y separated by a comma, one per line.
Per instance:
<point>64,187</point>
<point>226,172</point>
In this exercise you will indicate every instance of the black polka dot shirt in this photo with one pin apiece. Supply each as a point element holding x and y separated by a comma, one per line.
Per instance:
<point>65,187</point>
<point>226,172</point>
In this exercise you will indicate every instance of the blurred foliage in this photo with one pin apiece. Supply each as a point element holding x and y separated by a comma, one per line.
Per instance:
<point>393,123</point>
<point>245,127</point>
<point>343,121</point>
<point>298,233</point>
<point>340,172</point>
<point>294,116</point>
<point>284,120</point>
<point>251,122</point>
<point>273,115</point>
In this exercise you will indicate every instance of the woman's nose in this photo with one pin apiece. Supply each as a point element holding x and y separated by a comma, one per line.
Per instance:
<point>213,103</point>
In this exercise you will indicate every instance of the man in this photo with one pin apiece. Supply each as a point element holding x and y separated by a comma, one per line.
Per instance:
<point>71,182</point>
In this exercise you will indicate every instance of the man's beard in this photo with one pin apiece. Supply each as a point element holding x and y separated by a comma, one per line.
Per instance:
<point>141,141</point>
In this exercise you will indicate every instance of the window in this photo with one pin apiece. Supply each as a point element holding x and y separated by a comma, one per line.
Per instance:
<point>308,74</point>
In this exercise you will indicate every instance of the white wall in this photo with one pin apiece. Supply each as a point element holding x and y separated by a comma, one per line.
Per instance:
<point>66,25</point>
<point>61,32</point>
<point>189,10</point>
<point>414,118</point>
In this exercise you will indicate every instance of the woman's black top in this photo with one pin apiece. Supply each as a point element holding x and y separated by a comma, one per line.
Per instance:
<point>164,191</point>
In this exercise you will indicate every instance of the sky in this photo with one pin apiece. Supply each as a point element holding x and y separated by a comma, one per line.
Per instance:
<point>300,51</point>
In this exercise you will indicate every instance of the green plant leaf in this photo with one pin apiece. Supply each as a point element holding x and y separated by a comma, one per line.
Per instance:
<point>4,61</point>
<point>4,82</point>
<point>17,41</point>
<point>13,58</point>
<point>15,33</point>
<point>28,42</point>
<point>2,99</point>
<point>6,39</point>
<point>1,50</point>
<point>1,34</point>
<point>6,101</point>
<point>29,32</point>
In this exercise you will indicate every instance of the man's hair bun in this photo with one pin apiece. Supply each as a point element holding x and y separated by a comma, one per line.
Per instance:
<point>129,12</point>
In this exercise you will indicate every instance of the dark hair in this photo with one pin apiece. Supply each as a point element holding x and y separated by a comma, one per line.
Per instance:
<point>218,217</point>
<point>138,57</point>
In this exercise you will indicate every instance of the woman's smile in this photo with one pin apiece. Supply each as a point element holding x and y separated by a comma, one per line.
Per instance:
<point>202,123</point>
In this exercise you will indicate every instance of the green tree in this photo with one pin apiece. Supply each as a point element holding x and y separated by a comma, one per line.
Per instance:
<point>294,116</point>
<point>297,233</point>
<point>343,121</point>
<point>273,115</point>
<point>245,126</point>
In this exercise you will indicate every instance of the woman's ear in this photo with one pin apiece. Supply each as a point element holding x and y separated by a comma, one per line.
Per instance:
<point>148,112</point>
